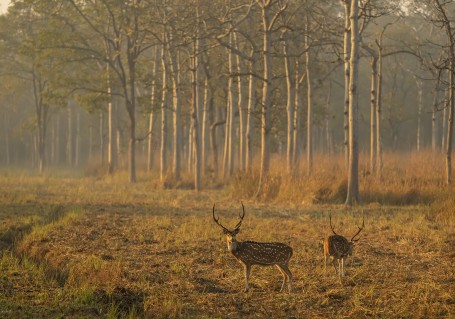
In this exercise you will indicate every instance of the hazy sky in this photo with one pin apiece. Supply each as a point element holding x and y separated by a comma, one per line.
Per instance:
<point>4,5</point>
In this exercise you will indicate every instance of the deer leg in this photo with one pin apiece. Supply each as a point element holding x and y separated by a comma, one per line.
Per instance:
<point>281,269</point>
<point>327,258</point>
<point>247,269</point>
<point>287,275</point>
<point>334,261</point>
<point>343,263</point>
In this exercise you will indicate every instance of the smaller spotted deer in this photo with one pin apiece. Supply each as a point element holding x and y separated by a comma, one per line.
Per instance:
<point>338,248</point>
<point>249,253</point>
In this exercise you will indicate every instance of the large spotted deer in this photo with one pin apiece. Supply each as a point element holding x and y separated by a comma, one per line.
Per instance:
<point>338,248</point>
<point>249,253</point>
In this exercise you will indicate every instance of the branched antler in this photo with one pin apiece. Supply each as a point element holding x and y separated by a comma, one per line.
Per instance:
<point>360,229</point>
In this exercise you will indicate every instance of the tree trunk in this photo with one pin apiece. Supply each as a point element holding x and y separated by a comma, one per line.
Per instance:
<point>163,111</point>
<point>290,107</point>
<point>309,102</point>
<point>379,163</point>
<point>434,117</point>
<point>249,121</point>
<point>194,119</point>
<point>419,113</point>
<point>451,114</point>
<point>77,143</point>
<point>70,138</point>
<point>298,106</point>
<point>228,163</point>
<point>374,75</point>
<point>347,74</point>
<point>242,102</point>
<point>353,172</point>
<point>112,127</point>
<point>265,103</point>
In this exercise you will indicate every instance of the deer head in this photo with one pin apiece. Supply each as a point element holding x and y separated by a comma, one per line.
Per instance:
<point>230,234</point>
<point>353,239</point>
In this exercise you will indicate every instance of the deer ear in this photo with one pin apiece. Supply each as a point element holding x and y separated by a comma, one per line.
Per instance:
<point>225,231</point>
<point>236,231</point>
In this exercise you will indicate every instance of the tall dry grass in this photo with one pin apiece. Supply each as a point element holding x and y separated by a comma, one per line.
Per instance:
<point>407,179</point>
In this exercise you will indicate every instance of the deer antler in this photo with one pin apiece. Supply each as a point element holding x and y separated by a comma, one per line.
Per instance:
<point>360,229</point>
<point>217,220</point>
<point>330,217</point>
<point>241,218</point>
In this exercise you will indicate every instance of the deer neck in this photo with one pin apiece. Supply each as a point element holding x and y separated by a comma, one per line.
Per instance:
<point>232,246</point>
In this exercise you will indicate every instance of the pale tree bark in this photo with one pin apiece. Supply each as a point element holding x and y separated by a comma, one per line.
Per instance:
<point>112,128</point>
<point>290,106</point>
<point>444,119</point>
<point>195,118</point>
<point>177,108</point>
<point>298,107</point>
<point>268,21</point>
<point>347,72</point>
<point>242,107</point>
<point>41,110</point>
<point>309,101</point>
<point>163,159</point>
<point>353,171</point>
<point>153,99</point>
<point>374,76</point>
<point>69,134</point>
<point>207,109</point>
<point>419,85</point>
<point>451,112</point>
<point>434,116</point>
<point>228,167</point>
<point>91,140</point>
<point>379,163</point>
<point>77,142</point>
<point>249,121</point>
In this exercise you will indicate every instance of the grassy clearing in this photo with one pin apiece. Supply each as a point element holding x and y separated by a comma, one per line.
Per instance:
<point>101,248</point>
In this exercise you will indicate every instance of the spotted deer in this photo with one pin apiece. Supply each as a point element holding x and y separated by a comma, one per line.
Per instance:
<point>338,248</point>
<point>249,253</point>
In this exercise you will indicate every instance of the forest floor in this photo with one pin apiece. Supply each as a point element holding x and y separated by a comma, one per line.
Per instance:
<point>98,248</point>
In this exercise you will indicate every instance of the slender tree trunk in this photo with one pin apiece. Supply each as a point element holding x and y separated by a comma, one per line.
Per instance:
<point>266,102</point>
<point>69,135</point>
<point>112,127</point>
<point>434,117</point>
<point>242,108</point>
<point>194,119</point>
<point>347,74</point>
<point>309,103</point>
<point>379,163</point>
<point>153,99</point>
<point>290,107</point>
<point>444,119</point>
<point>77,146</point>
<point>205,124</point>
<point>249,121</point>
<point>298,106</point>
<point>419,113</point>
<point>163,111</point>
<point>228,165</point>
<point>353,172</point>
<point>70,138</point>
<point>451,114</point>
<point>374,75</point>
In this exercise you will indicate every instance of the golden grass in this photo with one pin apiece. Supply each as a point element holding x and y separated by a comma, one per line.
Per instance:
<point>100,247</point>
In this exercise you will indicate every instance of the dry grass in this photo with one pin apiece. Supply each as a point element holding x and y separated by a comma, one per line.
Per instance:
<point>100,248</point>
